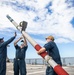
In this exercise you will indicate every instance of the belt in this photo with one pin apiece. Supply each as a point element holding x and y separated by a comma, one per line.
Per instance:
<point>19,58</point>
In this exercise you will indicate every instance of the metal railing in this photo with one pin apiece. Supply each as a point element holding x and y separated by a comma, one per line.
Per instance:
<point>66,61</point>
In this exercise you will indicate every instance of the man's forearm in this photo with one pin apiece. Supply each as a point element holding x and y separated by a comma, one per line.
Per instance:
<point>9,41</point>
<point>17,41</point>
<point>25,42</point>
<point>41,50</point>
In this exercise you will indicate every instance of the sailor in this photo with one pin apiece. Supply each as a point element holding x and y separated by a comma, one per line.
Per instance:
<point>3,53</point>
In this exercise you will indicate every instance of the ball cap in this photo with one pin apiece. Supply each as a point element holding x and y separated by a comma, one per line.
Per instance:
<point>22,40</point>
<point>1,38</point>
<point>50,37</point>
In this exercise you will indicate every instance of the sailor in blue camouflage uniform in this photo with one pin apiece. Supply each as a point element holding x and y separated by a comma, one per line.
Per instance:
<point>3,53</point>
<point>52,51</point>
<point>19,61</point>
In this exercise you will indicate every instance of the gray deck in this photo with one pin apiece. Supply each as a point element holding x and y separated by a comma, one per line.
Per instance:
<point>36,69</point>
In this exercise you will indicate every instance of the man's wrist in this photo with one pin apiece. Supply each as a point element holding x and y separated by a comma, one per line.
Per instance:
<point>20,38</point>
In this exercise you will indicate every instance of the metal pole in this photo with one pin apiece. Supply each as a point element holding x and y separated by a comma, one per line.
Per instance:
<point>57,68</point>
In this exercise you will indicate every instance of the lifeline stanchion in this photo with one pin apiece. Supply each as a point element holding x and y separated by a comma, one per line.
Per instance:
<point>57,68</point>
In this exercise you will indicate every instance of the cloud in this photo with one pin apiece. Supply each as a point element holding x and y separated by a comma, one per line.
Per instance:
<point>43,17</point>
<point>40,41</point>
<point>62,40</point>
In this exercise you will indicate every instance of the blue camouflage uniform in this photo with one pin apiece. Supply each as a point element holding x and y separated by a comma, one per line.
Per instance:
<point>19,61</point>
<point>3,55</point>
<point>53,51</point>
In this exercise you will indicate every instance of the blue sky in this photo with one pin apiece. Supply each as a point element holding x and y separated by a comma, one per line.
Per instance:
<point>51,17</point>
